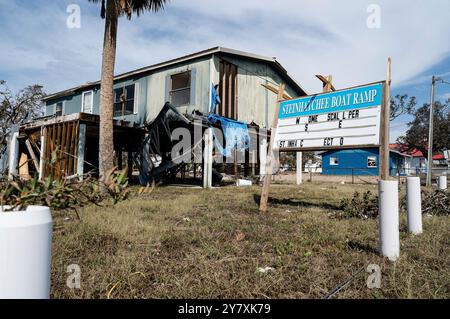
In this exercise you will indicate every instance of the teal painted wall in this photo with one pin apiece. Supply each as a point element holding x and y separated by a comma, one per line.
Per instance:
<point>72,103</point>
<point>254,102</point>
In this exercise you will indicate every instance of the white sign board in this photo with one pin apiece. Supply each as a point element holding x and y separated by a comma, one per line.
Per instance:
<point>340,119</point>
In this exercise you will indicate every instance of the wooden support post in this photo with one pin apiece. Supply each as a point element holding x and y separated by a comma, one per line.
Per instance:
<point>119,159</point>
<point>195,170</point>
<point>42,158</point>
<point>270,159</point>
<point>262,158</point>
<point>384,128</point>
<point>23,166</point>
<point>299,168</point>
<point>253,158</point>
<point>130,163</point>
<point>67,154</point>
<point>207,159</point>
<point>13,155</point>
<point>235,165</point>
<point>73,149</point>
<point>81,150</point>
<point>32,154</point>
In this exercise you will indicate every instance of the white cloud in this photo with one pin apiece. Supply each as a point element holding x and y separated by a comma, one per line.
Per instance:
<point>308,38</point>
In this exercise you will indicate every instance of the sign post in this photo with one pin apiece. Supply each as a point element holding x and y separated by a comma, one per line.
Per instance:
<point>270,157</point>
<point>384,131</point>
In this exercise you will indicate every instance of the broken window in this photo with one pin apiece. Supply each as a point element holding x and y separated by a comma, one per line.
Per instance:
<point>124,100</point>
<point>59,109</point>
<point>180,89</point>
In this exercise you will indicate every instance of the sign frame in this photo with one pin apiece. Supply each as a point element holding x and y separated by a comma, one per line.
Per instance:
<point>325,148</point>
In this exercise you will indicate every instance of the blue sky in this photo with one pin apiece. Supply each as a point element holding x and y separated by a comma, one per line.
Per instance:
<point>307,37</point>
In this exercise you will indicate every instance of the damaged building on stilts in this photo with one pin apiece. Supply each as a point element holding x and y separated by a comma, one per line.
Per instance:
<point>171,121</point>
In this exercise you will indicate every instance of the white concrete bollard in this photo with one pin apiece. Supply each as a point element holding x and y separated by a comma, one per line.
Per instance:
<point>25,253</point>
<point>414,205</point>
<point>442,182</point>
<point>389,219</point>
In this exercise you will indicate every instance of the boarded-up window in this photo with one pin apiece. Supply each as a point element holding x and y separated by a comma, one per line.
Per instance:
<point>228,90</point>
<point>124,100</point>
<point>180,89</point>
<point>59,109</point>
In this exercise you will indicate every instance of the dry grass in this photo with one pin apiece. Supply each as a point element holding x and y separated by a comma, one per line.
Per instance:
<point>193,243</point>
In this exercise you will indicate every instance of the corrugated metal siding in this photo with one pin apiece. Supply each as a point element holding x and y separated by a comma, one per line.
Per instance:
<point>252,99</point>
<point>158,85</point>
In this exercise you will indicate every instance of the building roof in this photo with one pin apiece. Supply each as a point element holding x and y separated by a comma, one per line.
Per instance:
<point>414,152</point>
<point>392,150</point>
<point>216,50</point>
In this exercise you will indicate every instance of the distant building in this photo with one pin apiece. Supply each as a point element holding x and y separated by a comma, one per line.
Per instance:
<point>418,160</point>
<point>363,161</point>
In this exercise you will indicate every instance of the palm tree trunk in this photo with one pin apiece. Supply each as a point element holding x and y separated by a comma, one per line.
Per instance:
<point>106,147</point>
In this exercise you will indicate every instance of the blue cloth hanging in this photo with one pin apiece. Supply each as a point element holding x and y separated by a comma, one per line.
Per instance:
<point>235,133</point>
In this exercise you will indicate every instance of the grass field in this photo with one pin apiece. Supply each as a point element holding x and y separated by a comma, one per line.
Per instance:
<point>194,243</point>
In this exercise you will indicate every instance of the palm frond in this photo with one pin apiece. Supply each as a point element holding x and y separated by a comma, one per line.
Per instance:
<point>103,7</point>
<point>139,6</point>
<point>128,7</point>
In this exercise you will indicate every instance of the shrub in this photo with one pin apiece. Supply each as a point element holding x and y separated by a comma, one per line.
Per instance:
<point>64,193</point>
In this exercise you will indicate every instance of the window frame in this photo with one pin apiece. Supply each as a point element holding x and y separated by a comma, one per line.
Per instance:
<point>374,158</point>
<point>187,88</point>
<point>56,107</point>
<point>135,98</point>
<point>334,163</point>
<point>92,102</point>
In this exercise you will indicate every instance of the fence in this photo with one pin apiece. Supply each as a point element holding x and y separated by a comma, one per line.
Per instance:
<point>360,175</point>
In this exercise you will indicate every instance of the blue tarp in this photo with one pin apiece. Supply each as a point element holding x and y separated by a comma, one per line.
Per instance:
<point>235,133</point>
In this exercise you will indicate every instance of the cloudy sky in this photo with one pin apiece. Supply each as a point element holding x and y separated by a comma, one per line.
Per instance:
<point>307,37</point>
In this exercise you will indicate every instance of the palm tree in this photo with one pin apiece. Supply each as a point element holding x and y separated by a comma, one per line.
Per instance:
<point>111,10</point>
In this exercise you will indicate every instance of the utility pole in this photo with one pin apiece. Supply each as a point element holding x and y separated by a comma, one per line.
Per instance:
<point>430,132</point>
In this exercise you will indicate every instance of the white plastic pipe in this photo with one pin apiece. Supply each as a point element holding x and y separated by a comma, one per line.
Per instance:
<point>414,205</point>
<point>25,253</point>
<point>389,219</point>
<point>442,182</point>
<point>299,175</point>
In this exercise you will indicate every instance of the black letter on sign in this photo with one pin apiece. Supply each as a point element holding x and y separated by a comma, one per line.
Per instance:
<point>340,124</point>
<point>306,127</point>
<point>342,141</point>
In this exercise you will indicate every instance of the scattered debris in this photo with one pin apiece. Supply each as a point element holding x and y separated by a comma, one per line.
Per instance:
<point>265,269</point>
<point>243,182</point>
<point>186,219</point>
<point>239,236</point>
<point>436,203</point>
